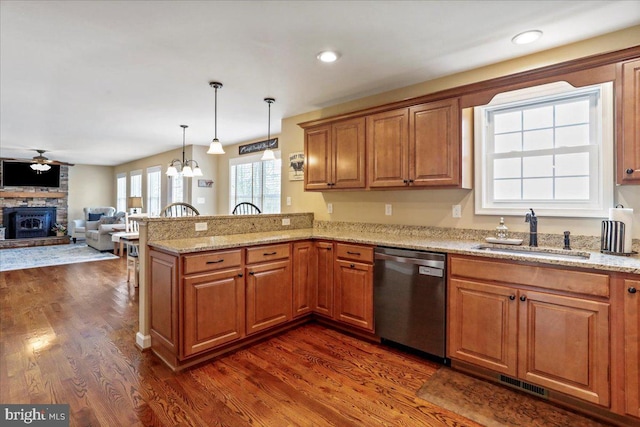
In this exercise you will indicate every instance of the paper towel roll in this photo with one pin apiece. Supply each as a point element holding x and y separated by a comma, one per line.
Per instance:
<point>624,215</point>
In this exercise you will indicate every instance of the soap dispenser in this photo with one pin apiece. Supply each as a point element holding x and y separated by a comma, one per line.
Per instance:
<point>501,230</point>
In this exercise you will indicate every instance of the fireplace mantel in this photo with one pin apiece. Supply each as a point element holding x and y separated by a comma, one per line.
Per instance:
<point>34,194</point>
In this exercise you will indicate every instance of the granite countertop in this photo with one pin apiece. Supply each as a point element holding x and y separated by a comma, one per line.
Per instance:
<point>596,260</point>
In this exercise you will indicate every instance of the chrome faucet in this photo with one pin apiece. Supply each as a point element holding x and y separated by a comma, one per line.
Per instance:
<point>532,219</point>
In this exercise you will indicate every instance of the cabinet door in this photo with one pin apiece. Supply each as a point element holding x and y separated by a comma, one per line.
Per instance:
<point>323,293</point>
<point>348,144</point>
<point>483,325</point>
<point>269,294</point>
<point>304,267</point>
<point>213,310</point>
<point>628,124</point>
<point>632,346</point>
<point>564,344</point>
<point>318,157</point>
<point>388,149</point>
<point>354,294</point>
<point>163,307</point>
<point>434,144</point>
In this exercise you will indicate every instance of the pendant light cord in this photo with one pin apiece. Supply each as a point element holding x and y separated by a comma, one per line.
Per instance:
<point>184,128</point>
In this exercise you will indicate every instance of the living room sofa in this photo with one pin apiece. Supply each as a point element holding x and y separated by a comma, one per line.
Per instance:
<point>78,227</point>
<point>98,225</point>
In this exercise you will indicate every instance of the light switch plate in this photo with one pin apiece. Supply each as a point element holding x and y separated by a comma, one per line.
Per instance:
<point>201,226</point>
<point>288,201</point>
<point>388,210</point>
<point>329,207</point>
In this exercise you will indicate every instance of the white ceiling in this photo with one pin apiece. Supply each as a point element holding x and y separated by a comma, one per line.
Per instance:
<point>106,82</point>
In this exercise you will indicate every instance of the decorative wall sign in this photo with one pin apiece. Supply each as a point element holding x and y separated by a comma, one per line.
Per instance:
<point>205,183</point>
<point>296,166</point>
<point>258,146</point>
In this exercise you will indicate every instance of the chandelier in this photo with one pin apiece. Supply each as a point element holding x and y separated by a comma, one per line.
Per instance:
<point>185,169</point>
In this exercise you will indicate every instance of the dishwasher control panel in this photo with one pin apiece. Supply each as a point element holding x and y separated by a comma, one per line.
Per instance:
<point>430,271</point>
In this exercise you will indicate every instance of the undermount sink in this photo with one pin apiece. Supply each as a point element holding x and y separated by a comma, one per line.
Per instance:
<point>532,251</point>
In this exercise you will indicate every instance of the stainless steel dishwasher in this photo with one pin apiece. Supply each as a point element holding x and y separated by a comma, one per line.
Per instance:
<point>410,299</point>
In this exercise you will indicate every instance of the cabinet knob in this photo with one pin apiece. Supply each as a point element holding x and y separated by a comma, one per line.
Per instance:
<point>410,181</point>
<point>512,297</point>
<point>406,181</point>
<point>328,184</point>
<point>240,275</point>
<point>352,265</point>
<point>251,273</point>
<point>629,171</point>
<point>523,298</point>
<point>632,290</point>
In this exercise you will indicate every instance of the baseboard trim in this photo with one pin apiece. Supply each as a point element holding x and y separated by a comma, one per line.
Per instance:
<point>143,341</point>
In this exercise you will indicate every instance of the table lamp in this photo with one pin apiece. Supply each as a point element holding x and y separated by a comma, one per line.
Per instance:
<point>135,203</point>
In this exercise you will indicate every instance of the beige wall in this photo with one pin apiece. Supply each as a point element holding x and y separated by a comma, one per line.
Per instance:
<point>90,186</point>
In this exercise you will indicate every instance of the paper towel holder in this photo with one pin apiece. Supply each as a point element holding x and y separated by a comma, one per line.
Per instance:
<point>612,238</point>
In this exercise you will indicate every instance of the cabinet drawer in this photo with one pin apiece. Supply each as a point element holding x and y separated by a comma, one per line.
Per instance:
<point>212,261</point>
<point>354,252</point>
<point>267,253</point>
<point>542,277</point>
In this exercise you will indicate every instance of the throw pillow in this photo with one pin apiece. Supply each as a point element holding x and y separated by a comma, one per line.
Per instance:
<point>95,216</point>
<point>120,217</point>
<point>107,220</point>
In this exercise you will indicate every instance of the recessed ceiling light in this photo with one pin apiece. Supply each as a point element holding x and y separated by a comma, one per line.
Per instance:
<point>328,56</point>
<point>527,37</point>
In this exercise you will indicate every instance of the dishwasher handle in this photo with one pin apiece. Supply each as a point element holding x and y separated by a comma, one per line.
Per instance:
<point>415,261</point>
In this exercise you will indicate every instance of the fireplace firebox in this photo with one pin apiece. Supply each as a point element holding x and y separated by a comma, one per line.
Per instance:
<point>29,222</point>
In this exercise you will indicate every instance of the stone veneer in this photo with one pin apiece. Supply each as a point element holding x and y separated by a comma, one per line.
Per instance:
<point>39,199</point>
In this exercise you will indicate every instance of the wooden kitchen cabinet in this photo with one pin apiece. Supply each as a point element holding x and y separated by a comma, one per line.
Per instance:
<point>213,310</point>
<point>632,346</point>
<point>388,149</point>
<point>628,122</point>
<point>163,290</point>
<point>268,287</point>
<point>555,335</point>
<point>323,289</point>
<point>354,285</point>
<point>304,276</point>
<point>335,156</point>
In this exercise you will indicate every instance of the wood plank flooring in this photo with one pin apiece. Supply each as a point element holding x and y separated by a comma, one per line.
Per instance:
<point>67,336</point>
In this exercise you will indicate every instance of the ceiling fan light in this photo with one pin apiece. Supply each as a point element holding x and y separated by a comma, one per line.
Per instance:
<point>186,171</point>
<point>40,167</point>
<point>328,56</point>
<point>172,171</point>
<point>215,147</point>
<point>268,155</point>
<point>197,171</point>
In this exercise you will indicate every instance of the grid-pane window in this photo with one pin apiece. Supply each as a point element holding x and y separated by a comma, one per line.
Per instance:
<point>546,152</point>
<point>121,192</point>
<point>176,188</point>
<point>255,181</point>
<point>154,175</point>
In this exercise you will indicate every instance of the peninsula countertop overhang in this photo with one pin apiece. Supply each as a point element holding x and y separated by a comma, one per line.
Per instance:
<point>596,260</point>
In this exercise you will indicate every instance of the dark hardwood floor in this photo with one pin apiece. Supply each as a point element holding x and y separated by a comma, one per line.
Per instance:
<point>67,336</point>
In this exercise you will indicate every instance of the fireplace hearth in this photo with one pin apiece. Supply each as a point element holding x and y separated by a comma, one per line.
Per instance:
<point>29,222</point>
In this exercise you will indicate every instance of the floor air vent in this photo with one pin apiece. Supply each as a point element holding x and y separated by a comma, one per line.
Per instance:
<point>524,386</point>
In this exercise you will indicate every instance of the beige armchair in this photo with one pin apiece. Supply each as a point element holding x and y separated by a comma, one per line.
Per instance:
<point>78,227</point>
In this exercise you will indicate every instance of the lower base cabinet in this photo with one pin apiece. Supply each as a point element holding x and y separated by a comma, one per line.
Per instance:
<point>354,294</point>
<point>632,346</point>
<point>557,341</point>
<point>269,295</point>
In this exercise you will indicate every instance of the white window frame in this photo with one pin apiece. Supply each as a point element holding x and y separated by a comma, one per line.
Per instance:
<point>600,154</point>
<point>135,180</point>
<point>245,160</point>
<point>175,188</point>
<point>121,192</point>
<point>154,198</point>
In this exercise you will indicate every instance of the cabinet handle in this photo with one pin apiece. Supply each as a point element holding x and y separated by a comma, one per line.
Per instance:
<point>352,265</point>
<point>353,253</point>
<point>269,253</point>
<point>251,273</point>
<point>406,181</point>
<point>512,297</point>
<point>215,262</point>
<point>240,275</point>
<point>630,171</point>
<point>410,181</point>
<point>632,290</point>
<point>328,184</point>
<point>523,298</point>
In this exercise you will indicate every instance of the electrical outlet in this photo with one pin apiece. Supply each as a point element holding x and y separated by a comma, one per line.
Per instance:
<point>387,209</point>
<point>456,211</point>
<point>329,207</point>
<point>286,221</point>
<point>201,226</point>
<point>288,201</point>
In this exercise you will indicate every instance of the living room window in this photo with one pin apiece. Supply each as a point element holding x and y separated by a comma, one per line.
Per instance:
<point>255,181</point>
<point>121,192</point>
<point>176,188</point>
<point>154,174</point>
<point>549,148</point>
<point>135,183</point>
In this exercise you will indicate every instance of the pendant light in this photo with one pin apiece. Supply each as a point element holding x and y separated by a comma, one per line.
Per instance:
<point>268,153</point>
<point>185,169</point>
<point>216,146</point>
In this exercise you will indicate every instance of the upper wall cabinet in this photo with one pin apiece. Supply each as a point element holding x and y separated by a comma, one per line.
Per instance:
<point>335,156</point>
<point>628,126</point>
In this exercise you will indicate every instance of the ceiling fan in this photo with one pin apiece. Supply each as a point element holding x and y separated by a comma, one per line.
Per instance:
<point>39,163</point>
